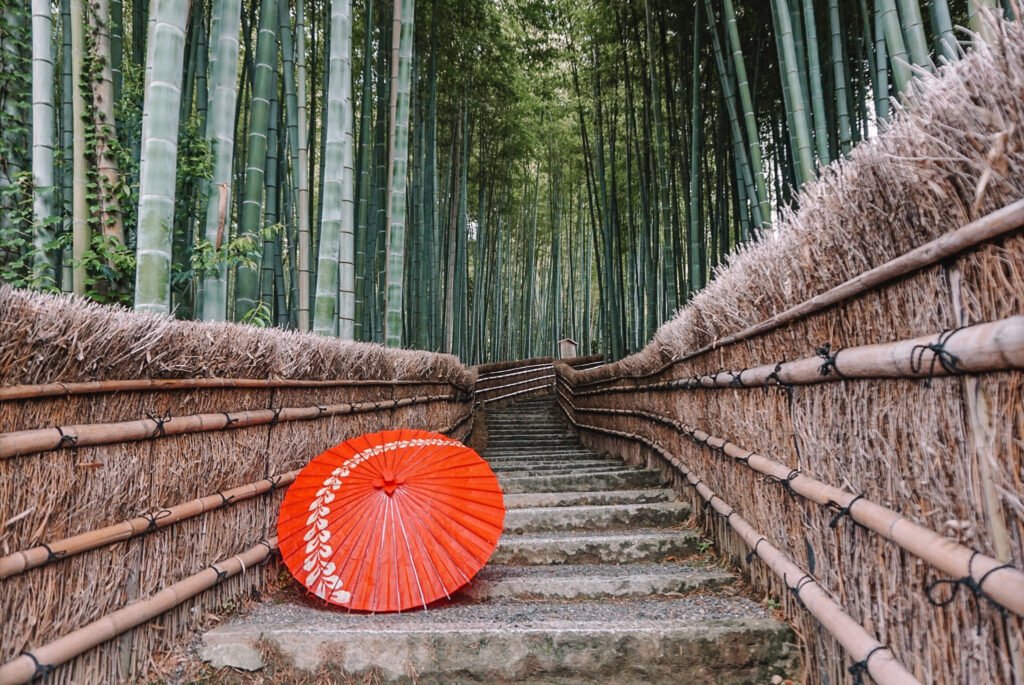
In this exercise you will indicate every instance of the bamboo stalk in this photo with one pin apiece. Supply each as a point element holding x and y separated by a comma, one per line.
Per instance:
<point>995,346</point>
<point>988,228</point>
<point>1005,585</point>
<point>23,560</point>
<point>20,443</point>
<point>23,669</point>
<point>514,394</point>
<point>877,659</point>
<point>42,390</point>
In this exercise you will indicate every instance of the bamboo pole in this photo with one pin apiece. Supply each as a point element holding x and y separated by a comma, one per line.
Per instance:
<point>988,228</point>
<point>26,667</point>
<point>23,560</point>
<point>39,391</point>
<point>20,443</point>
<point>1005,585</point>
<point>995,346</point>
<point>873,657</point>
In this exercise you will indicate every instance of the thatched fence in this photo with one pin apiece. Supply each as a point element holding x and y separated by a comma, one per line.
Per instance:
<point>846,399</point>
<point>142,462</point>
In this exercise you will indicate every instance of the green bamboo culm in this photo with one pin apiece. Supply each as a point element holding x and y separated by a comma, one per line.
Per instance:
<point>797,114</point>
<point>894,43</point>
<point>45,267</point>
<point>335,278</point>
<point>401,68</point>
<point>225,24</point>
<point>814,78</point>
<point>247,285</point>
<point>159,146</point>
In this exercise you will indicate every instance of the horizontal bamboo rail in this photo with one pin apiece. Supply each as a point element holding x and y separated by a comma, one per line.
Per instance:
<point>872,657</point>
<point>58,550</point>
<point>989,227</point>
<point>541,386</point>
<point>499,375</point>
<point>39,661</point>
<point>33,441</point>
<point>38,391</point>
<point>514,384</point>
<point>1002,583</point>
<point>995,346</point>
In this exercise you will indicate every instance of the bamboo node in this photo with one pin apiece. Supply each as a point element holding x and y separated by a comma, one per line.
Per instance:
<point>949,362</point>
<point>843,511</point>
<point>859,668</point>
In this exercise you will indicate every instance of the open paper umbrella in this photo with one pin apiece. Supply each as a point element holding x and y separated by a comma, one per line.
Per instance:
<point>392,520</point>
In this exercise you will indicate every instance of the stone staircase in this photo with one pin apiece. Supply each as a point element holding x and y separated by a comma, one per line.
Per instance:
<point>596,579</point>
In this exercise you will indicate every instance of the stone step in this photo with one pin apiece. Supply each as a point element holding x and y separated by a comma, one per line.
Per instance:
<point>554,468</point>
<point>592,581</point>
<point>582,482</point>
<point>570,499</point>
<point>529,442</point>
<point>574,453</point>
<point>722,640</point>
<point>590,517</point>
<point>634,546</point>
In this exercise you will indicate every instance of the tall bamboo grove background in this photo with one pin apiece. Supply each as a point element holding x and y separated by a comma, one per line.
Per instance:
<point>481,177</point>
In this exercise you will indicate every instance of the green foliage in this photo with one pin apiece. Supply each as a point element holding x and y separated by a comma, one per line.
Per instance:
<point>109,270</point>
<point>17,249</point>
<point>260,316</point>
<point>243,250</point>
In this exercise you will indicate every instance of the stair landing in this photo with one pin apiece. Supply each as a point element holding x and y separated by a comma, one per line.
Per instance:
<point>596,579</point>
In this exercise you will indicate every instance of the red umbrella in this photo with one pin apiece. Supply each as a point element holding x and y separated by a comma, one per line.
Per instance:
<point>390,520</point>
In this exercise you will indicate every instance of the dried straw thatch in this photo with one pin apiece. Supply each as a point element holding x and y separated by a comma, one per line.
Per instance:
<point>947,454</point>
<point>54,495</point>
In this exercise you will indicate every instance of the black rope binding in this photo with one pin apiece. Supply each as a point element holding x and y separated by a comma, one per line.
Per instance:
<point>52,556</point>
<point>843,511</point>
<point>41,670</point>
<point>277,416</point>
<point>221,575</point>
<point>737,380</point>
<point>829,364</point>
<point>800,585</point>
<point>152,519</point>
<point>226,501</point>
<point>779,383</point>
<point>322,409</point>
<point>159,431</point>
<point>949,362</point>
<point>859,668</point>
<point>66,440</point>
<point>975,586</point>
<point>230,420</point>
<point>274,481</point>
<point>786,483</point>
<point>753,553</point>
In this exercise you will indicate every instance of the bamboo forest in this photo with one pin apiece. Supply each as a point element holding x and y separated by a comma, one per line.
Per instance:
<point>481,177</point>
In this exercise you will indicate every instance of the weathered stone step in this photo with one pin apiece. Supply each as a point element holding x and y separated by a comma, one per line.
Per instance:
<point>530,443</point>
<point>595,517</point>
<point>634,546</point>
<point>513,454</point>
<point>683,640</point>
<point>570,499</point>
<point>601,480</point>
<point>592,581</point>
<point>554,468</point>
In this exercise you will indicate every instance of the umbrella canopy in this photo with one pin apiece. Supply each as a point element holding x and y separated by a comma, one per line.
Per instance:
<point>392,520</point>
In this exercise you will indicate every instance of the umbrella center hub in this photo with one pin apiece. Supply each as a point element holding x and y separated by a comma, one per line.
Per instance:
<point>388,484</point>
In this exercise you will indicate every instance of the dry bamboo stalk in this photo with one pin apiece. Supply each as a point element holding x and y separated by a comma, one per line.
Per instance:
<point>18,562</point>
<point>37,391</point>
<point>995,346</point>
<point>989,227</point>
<point>25,668</point>
<point>37,440</point>
<point>496,367</point>
<point>1005,585</point>
<point>876,659</point>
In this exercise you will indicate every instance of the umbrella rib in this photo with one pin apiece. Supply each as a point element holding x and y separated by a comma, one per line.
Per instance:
<point>440,544</point>
<point>412,560</point>
<point>453,539</point>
